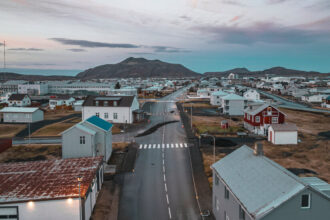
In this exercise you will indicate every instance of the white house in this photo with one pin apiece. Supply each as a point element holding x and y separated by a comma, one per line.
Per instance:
<point>89,138</point>
<point>216,97</point>
<point>232,76</point>
<point>233,104</point>
<point>65,189</point>
<point>283,134</point>
<point>203,93</point>
<point>115,109</point>
<point>312,98</point>
<point>251,95</point>
<point>60,100</point>
<point>20,100</point>
<point>22,114</point>
<point>77,105</point>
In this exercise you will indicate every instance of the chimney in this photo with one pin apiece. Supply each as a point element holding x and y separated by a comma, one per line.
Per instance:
<point>258,149</point>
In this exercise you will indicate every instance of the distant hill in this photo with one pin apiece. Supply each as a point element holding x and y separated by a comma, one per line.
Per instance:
<point>277,71</point>
<point>16,76</point>
<point>138,67</point>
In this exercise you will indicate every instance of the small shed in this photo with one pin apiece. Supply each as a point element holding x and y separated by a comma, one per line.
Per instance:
<point>224,124</point>
<point>22,114</point>
<point>283,134</point>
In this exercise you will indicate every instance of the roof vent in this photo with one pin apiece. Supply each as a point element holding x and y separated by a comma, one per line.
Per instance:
<point>258,149</point>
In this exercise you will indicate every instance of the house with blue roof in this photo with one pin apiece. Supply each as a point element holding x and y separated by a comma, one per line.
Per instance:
<point>89,138</point>
<point>249,186</point>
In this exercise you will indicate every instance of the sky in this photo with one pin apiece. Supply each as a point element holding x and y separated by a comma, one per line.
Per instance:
<point>203,35</point>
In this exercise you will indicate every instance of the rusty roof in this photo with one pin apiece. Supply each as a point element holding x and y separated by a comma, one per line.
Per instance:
<point>46,180</point>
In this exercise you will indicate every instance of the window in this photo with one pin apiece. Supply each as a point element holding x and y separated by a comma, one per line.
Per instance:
<point>248,117</point>
<point>258,119</point>
<point>82,139</point>
<point>226,193</point>
<point>96,103</point>
<point>106,103</point>
<point>97,114</point>
<point>274,120</point>
<point>106,115</point>
<point>305,201</point>
<point>241,213</point>
<point>115,115</point>
<point>216,179</point>
<point>115,103</point>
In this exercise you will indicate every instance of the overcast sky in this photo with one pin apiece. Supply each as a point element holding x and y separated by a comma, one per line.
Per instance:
<point>204,35</point>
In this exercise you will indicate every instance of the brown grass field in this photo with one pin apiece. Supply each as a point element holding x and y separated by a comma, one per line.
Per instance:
<point>31,153</point>
<point>56,128</point>
<point>10,130</point>
<point>56,114</point>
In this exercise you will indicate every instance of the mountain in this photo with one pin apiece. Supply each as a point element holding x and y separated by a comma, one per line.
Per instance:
<point>138,67</point>
<point>16,76</point>
<point>276,71</point>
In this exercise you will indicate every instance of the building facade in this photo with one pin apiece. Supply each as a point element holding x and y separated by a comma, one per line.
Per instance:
<point>22,114</point>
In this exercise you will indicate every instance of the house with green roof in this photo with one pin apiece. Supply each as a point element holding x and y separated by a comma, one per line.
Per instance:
<point>89,138</point>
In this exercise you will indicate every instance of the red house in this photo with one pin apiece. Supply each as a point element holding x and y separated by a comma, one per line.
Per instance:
<point>257,118</point>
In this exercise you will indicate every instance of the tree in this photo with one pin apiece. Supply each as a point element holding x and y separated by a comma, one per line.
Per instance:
<point>117,86</point>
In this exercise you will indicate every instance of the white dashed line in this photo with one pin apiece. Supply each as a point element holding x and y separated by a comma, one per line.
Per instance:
<point>169,212</point>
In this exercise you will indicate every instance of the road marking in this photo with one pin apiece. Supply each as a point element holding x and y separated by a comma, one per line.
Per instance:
<point>185,145</point>
<point>167,146</point>
<point>145,146</point>
<point>158,146</point>
<point>164,178</point>
<point>172,145</point>
<point>168,202</point>
<point>149,146</point>
<point>164,169</point>
<point>176,145</point>
<point>169,212</point>
<point>141,146</point>
<point>181,145</point>
<point>154,146</point>
<point>163,161</point>
<point>163,146</point>
<point>165,187</point>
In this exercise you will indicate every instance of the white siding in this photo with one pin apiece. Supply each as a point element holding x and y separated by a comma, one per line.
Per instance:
<point>19,117</point>
<point>124,114</point>
<point>282,137</point>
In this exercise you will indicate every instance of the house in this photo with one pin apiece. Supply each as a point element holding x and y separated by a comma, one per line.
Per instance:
<point>251,95</point>
<point>283,134</point>
<point>60,100</point>
<point>77,105</point>
<point>312,98</point>
<point>116,109</point>
<point>216,97</point>
<point>249,186</point>
<point>89,138</point>
<point>232,76</point>
<point>326,103</point>
<point>19,100</point>
<point>22,114</point>
<point>233,104</point>
<point>65,189</point>
<point>203,93</point>
<point>257,118</point>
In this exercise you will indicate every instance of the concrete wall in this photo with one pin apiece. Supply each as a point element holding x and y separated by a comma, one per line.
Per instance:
<point>17,117</point>
<point>221,205</point>
<point>291,209</point>
<point>71,147</point>
<point>64,209</point>
<point>124,113</point>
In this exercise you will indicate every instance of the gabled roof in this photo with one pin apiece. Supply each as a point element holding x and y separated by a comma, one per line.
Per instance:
<point>19,109</point>
<point>46,180</point>
<point>284,127</point>
<point>17,97</point>
<point>233,97</point>
<point>260,184</point>
<point>124,101</point>
<point>259,109</point>
<point>219,93</point>
<point>81,127</point>
<point>100,123</point>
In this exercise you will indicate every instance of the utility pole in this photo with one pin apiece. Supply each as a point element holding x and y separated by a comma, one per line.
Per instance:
<point>4,54</point>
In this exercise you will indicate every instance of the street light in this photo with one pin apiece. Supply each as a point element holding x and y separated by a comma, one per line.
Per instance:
<point>79,182</point>
<point>208,135</point>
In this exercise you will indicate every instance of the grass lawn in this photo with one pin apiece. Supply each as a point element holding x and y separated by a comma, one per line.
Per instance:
<point>56,128</point>
<point>31,153</point>
<point>55,114</point>
<point>10,130</point>
<point>198,105</point>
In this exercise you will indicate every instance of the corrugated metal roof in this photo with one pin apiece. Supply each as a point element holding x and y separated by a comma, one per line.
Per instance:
<point>45,180</point>
<point>317,184</point>
<point>104,125</point>
<point>258,183</point>
<point>233,97</point>
<point>84,128</point>
<point>19,109</point>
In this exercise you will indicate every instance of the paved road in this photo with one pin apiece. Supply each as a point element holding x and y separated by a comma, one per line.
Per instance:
<point>162,186</point>
<point>290,104</point>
